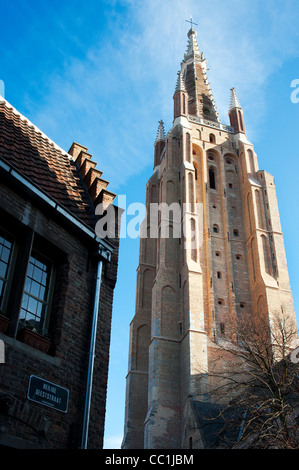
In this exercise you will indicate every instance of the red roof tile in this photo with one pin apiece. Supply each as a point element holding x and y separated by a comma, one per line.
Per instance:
<point>44,163</point>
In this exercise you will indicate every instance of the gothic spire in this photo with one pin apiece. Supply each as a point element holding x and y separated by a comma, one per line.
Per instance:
<point>180,84</point>
<point>234,102</point>
<point>236,113</point>
<point>161,132</point>
<point>192,47</point>
<point>200,99</point>
<point>159,144</point>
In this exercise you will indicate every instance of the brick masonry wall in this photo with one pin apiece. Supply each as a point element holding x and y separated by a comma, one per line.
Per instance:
<point>67,363</point>
<point>199,294</point>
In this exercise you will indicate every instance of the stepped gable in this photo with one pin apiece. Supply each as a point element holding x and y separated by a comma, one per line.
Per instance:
<point>70,178</point>
<point>92,177</point>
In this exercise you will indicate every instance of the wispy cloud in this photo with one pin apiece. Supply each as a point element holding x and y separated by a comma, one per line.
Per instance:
<point>243,42</point>
<point>111,98</point>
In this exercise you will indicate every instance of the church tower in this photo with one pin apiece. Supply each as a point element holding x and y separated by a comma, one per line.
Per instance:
<point>188,294</point>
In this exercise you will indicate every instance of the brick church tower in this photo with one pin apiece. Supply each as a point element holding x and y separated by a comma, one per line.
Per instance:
<point>188,295</point>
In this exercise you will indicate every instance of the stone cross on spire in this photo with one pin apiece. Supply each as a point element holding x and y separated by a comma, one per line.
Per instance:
<point>191,21</point>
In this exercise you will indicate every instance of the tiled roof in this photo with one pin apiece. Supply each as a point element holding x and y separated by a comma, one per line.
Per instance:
<point>49,167</point>
<point>219,426</point>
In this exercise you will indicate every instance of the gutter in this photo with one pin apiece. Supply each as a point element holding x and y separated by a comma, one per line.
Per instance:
<point>105,247</point>
<point>91,356</point>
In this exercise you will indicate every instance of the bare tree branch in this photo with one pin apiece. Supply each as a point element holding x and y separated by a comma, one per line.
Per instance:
<point>257,384</point>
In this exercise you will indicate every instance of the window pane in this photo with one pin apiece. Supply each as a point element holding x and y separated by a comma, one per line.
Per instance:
<point>42,293</point>
<point>5,242</point>
<point>25,301</point>
<point>28,284</point>
<point>3,269</point>
<point>5,261</point>
<point>32,305</point>
<point>5,254</point>
<point>37,274</point>
<point>44,278</point>
<point>39,264</point>
<point>27,319</point>
<point>30,269</point>
<point>34,288</point>
<point>39,309</point>
<point>1,288</point>
<point>35,298</point>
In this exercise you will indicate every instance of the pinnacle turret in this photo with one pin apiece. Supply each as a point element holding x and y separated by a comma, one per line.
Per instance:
<point>159,143</point>
<point>236,113</point>
<point>234,102</point>
<point>161,132</point>
<point>180,84</point>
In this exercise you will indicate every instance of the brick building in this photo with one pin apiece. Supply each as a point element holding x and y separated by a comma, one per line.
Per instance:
<point>189,295</point>
<point>56,291</point>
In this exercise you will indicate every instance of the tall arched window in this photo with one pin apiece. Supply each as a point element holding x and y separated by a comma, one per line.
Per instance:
<point>251,161</point>
<point>176,105</point>
<point>170,192</point>
<point>188,147</point>
<point>252,259</point>
<point>259,209</point>
<point>191,191</point>
<point>249,210</point>
<point>212,178</point>
<point>241,120</point>
<point>266,254</point>
<point>212,138</point>
<point>193,240</point>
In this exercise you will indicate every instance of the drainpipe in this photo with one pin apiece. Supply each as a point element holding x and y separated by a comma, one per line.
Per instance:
<point>91,356</point>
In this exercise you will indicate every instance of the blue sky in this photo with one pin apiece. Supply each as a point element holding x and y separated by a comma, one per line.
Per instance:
<point>103,73</point>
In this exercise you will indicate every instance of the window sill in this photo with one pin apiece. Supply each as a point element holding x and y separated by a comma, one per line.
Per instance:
<point>35,340</point>
<point>4,322</point>
<point>25,348</point>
